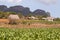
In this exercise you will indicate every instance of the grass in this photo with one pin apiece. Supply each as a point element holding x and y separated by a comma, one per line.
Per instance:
<point>39,21</point>
<point>30,21</point>
<point>29,33</point>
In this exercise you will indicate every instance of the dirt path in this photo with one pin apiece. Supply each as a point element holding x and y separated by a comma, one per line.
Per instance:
<point>34,25</point>
<point>31,26</point>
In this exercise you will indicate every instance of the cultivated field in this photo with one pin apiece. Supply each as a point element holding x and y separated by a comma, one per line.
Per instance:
<point>29,24</point>
<point>29,30</point>
<point>30,34</point>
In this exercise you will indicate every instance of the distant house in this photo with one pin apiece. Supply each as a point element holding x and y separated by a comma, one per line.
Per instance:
<point>32,17</point>
<point>48,18</point>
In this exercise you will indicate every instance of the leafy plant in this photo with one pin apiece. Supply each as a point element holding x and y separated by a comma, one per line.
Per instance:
<point>30,34</point>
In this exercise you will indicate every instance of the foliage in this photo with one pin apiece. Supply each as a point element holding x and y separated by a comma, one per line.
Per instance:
<point>40,17</point>
<point>24,22</point>
<point>5,14</point>
<point>2,14</point>
<point>57,19</point>
<point>20,15</point>
<point>30,34</point>
<point>39,21</point>
<point>29,15</point>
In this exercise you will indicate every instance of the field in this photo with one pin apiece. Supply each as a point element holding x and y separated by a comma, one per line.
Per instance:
<point>30,30</point>
<point>30,24</point>
<point>30,34</point>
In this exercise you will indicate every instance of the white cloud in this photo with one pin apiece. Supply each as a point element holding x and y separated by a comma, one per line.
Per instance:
<point>48,1</point>
<point>11,1</point>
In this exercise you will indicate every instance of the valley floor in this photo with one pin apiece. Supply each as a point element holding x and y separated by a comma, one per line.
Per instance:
<point>30,24</point>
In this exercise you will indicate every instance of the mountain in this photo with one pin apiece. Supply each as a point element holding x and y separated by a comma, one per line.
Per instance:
<point>40,12</point>
<point>15,9</point>
<point>3,7</point>
<point>24,10</point>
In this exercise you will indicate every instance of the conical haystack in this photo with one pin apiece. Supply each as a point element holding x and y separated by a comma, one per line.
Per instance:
<point>13,19</point>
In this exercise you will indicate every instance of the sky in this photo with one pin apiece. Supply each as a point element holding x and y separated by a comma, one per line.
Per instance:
<point>52,6</point>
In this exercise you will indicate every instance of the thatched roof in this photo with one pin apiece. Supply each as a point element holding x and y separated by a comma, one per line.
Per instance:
<point>13,17</point>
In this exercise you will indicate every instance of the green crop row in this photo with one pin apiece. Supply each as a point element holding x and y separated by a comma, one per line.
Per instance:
<point>30,34</point>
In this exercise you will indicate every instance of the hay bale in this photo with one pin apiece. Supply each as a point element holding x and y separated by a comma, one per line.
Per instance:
<point>13,19</point>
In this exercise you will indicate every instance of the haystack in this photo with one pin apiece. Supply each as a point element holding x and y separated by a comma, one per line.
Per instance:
<point>13,18</point>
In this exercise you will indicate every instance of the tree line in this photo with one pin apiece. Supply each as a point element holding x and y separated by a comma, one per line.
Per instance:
<point>6,14</point>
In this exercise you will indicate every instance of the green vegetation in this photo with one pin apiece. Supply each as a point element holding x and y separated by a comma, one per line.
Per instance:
<point>30,34</point>
<point>6,14</point>
<point>39,21</point>
<point>57,19</point>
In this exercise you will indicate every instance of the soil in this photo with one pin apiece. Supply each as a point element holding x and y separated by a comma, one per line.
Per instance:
<point>3,23</point>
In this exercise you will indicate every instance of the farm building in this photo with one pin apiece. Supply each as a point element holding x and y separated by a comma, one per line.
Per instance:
<point>32,17</point>
<point>48,18</point>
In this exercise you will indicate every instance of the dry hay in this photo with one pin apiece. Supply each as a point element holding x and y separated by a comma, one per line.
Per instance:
<point>13,18</point>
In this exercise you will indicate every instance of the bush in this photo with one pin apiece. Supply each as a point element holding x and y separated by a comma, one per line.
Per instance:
<point>57,19</point>
<point>24,22</point>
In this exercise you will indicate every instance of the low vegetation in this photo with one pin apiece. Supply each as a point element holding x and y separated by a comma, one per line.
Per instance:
<point>5,15</point>
<point>30,34</point>
<point>39,21</point>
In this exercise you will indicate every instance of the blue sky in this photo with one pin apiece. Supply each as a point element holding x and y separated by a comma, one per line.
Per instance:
<point>52,6</point>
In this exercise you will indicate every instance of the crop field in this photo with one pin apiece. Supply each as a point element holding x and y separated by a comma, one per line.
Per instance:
<point>30,30</point>
<point>29,33</point>
<point>29,24</point>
